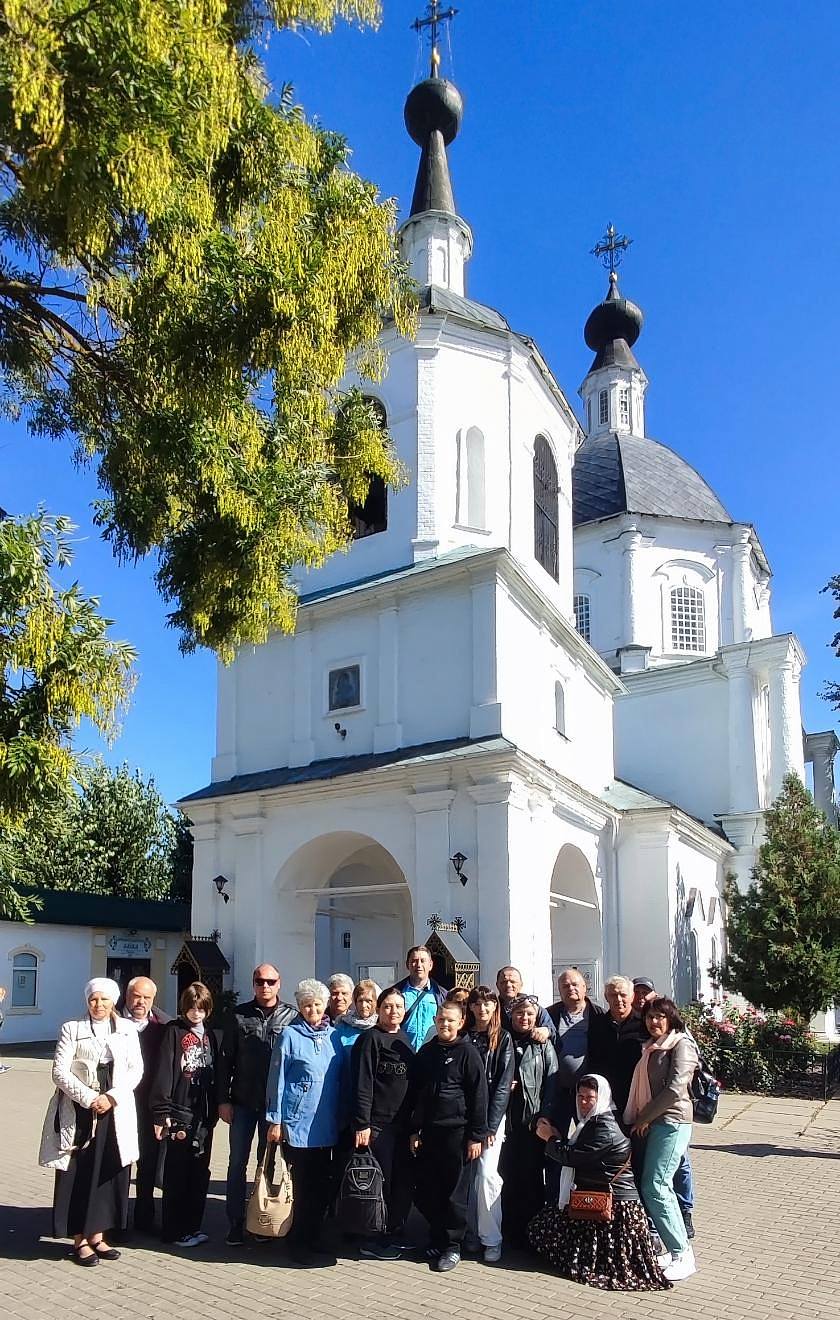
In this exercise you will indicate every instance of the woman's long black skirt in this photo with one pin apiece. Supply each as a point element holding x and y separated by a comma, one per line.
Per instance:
<point>617,1256</point>
<point>91,1195</point>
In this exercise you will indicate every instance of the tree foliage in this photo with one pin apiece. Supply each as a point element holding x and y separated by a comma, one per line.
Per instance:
<point>783,934</point>
<point>57,666</point>
<point>186,266</point>
<point>115,836</point>
<point>831,690</point>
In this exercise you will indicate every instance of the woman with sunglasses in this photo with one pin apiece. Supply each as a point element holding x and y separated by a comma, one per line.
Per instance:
<point>484,1209</point>
<point>523,1156</point>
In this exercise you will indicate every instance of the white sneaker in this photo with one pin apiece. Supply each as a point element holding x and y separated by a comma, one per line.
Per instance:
<point>188,1240</point>
<point>682,1266</point>
<point>664,1259</point>
<point>199,1238</point>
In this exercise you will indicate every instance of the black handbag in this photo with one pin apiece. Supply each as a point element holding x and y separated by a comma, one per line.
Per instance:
<point>705,1092</point>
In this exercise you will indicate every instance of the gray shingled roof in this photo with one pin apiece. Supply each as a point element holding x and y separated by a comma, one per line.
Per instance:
<point>631,474</point>
<point>433,298</point>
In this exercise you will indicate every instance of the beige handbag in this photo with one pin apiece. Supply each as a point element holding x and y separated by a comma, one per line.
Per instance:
<point>270,1206</point>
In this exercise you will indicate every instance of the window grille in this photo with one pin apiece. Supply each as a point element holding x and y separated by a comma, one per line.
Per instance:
<point>624,406</point>
<point>582,616</point>
<point>603,407</point>
<point>688,624</point>
<point>24,980</point>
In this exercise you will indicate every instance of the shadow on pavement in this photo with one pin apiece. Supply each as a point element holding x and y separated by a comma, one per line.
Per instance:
<point>761,1149</point>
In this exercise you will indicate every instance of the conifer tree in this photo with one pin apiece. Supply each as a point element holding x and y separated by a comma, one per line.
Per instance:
<point>783,933</point>
<point>186,265</point>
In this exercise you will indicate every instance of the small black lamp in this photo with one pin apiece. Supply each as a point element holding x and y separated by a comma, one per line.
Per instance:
<point>458,862</point>
<point>220,881</point>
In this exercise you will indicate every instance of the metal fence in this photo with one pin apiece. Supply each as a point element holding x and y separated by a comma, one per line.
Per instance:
<point>781,1072</point>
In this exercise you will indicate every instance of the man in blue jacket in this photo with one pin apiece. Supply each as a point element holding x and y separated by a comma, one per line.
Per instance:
<point>422,995</point>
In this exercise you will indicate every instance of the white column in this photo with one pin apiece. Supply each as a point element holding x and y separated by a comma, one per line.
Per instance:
<point>786,752</point>
<point>486,712</point>
<point>632,542</point>
<point>742,607</point>
<point>247,893</point>
<point>821,749</point>
<point>493,877</point>
<point>388,732</point>
<point>431,834</point>
<point>302,749</point>
<point>207,908</point>
<point>425,542</point>
<point>743,770</point>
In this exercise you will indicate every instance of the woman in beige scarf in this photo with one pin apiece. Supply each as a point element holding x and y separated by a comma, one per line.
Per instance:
<point>659,1108</point>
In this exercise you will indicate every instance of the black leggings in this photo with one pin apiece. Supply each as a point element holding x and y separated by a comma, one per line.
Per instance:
<point>186,1177</point>
<point>442,1190</point>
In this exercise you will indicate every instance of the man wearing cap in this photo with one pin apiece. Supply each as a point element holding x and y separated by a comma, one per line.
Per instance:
<point>141,1011</point>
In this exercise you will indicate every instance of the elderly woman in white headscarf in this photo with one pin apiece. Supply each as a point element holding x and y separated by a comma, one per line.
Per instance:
<point>616,1254</point>
<point>90,1135</point>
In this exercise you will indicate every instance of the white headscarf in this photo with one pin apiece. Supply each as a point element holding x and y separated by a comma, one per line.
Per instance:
<point>102,985</point>
<point>604,1105</point>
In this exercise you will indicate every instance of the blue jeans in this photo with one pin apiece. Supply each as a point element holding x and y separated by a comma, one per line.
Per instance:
<point>684,1185</point>
<point>245,1124</point>
<point>666,1145</point>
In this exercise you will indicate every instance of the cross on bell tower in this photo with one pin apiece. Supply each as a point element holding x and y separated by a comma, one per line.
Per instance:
<point>433,19</point>
<point>610,248</point>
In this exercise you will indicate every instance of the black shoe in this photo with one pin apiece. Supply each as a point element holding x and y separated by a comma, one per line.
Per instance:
<point>449,1260</point>
<point>236,1234</point>
<point>92,1259</point>
<point>689,1224</point>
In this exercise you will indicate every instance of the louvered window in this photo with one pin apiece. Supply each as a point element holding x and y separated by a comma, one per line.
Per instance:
<point>545,507</point>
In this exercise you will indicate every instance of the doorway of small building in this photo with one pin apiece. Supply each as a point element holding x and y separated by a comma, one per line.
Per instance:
<point>123,970</point>
<point>576,938</point>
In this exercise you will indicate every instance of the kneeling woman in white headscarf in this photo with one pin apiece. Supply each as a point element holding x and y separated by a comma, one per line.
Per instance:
<point>616,1254</point>
<point>90,1137</point>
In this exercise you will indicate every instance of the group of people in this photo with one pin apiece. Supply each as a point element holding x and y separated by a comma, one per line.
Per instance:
<point>482,1108</point>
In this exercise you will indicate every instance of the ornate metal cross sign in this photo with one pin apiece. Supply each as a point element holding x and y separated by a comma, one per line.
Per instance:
<point>433,19</point>
<point>611,248</point>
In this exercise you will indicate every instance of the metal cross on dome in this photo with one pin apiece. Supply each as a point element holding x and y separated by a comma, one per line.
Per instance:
<point>432,20</point>
<point>611,248</point>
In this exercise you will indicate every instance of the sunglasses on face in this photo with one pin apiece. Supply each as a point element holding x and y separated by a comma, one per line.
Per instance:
<point>265,980</point>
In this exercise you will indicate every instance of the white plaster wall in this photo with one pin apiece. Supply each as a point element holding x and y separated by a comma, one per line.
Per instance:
<point>64,966</point>
<point>642,903</point>
<point>691,869</point>
<point>673,741</point>
<point>671,552</point>
<point>532,659</point>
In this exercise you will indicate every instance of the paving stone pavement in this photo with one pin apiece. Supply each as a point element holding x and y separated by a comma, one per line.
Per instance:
<point>768,1186</point>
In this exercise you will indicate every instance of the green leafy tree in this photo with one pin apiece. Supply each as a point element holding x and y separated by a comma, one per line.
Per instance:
<point>831,690</point>
<point>783,934</point>
<point>115,836</point>
<point>57,666</point>
<point>186,267</point>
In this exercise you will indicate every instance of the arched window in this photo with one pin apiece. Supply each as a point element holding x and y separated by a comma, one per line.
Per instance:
<point>582,616</point>
<point>694,956</point>
<point>603,407</point>
<point>24,980</point>
<point>688,621</point>
<point>472,498</point>
<point>545,507</point>
<point>372,516</point>
<point>560,708</point>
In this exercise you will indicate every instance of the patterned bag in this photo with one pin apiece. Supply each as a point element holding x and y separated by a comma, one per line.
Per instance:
<point>594,1206</point>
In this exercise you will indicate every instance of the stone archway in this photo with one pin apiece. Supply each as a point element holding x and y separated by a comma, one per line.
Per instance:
<point>349,907</point>
<point>576,934</point>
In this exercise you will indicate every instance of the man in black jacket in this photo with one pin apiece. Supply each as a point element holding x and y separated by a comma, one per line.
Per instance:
<point>615,1041</point>
<point>139,1008</point>
<point>249,1035</point>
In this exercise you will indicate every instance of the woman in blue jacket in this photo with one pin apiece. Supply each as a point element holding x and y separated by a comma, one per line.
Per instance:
<point>304,1096</point>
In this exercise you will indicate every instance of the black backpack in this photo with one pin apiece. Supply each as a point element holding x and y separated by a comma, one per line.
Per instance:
<point>360,1207</point>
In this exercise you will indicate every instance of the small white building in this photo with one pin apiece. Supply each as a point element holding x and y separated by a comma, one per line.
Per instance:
<point>540,694</point>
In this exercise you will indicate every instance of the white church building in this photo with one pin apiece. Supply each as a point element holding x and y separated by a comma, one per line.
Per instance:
<point>550,657</point>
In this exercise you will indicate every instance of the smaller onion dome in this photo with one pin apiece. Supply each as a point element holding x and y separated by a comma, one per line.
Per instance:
<point>612,328</point>
<point>433,104</point>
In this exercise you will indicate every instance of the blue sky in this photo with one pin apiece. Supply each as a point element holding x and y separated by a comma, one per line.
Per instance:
<point>708,133</point>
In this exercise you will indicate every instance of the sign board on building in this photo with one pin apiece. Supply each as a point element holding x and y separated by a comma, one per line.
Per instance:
<point>129,946</point>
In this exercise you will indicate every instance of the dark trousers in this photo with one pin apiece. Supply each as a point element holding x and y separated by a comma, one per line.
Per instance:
<point>523,1187</point>
<point>312,1189</point>
<point>441,1190</point>
<point>145,1172</point>
<point>390,1146</point>
<point>186,1178</point>
<point>245,1123</point>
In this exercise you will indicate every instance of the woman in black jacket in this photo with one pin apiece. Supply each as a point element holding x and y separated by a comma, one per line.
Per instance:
<point>185,1111</point>
<point>380,1062</point>
<point>522,1160</point>
<point>448,1126</point>
<point>484,1029</point>
<point>616,1254</point>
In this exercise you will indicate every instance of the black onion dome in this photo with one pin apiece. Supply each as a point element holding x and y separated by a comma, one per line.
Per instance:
<point>612,328</point>
<point>434,104</point>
